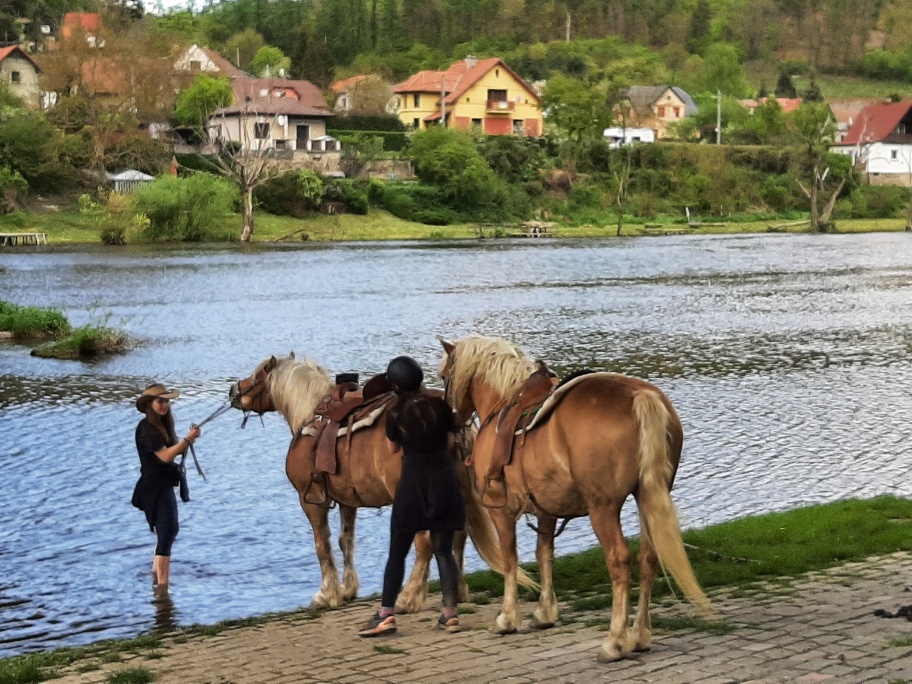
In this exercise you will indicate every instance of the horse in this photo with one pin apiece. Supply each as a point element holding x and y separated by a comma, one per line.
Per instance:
<point>600,438</point>
<point>366,476</point>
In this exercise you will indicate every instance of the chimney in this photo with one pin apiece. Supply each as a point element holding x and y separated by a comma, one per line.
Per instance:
<point>470,61</point>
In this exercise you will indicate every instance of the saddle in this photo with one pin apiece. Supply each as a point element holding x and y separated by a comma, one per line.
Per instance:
<point>346,404</point>
<point>516,417</point>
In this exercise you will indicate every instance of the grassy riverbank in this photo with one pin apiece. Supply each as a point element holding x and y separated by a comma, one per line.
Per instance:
<point>748,556</point>
<point>70,227</point>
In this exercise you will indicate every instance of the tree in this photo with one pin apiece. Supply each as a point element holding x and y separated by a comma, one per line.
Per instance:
<point>242,47</point>
<point>785,87</point>
<point>699,26</point>
<point>580,111</point>
<point>815,130</point>
<point>448,158</point>
<point>722,71</point>
<point>269,61</point>
<point>204,96</point>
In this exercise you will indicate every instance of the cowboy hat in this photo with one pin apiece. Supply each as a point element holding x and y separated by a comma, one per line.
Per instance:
<point>154,391</point>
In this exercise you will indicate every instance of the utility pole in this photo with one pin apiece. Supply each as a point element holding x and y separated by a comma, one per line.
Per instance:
<point>442,101</point>
<point>718,117</point>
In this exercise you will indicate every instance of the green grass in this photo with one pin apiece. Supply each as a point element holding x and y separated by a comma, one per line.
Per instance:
<point>32,323</point>
<point>132,675</point>
<point>85,342</point>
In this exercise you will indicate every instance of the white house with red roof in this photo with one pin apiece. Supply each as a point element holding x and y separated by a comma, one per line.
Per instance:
<point>880,142</point>
<point>20,74</point>
<point>484,95</point>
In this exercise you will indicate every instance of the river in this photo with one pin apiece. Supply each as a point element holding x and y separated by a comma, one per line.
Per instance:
<point>788,357</point>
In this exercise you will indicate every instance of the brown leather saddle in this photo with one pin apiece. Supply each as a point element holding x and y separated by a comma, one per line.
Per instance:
<point>516,417</point>
<point>346,405</point>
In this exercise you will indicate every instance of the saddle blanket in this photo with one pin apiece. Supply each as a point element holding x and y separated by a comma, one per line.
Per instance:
<point>309,430</point>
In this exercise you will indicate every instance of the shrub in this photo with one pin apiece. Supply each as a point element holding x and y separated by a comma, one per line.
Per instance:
<point>293,193</point>
<point>185,209</point>
<point>353,193</point>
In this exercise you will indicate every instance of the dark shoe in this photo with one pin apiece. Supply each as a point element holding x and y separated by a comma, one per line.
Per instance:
<point>450,624</point>
<point>379,625</point>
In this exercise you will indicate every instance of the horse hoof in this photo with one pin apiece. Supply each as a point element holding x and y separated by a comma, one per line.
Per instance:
<point>605,657</point>
<point>642,648</point>
<point>505,630</point>
<point>535,624</point>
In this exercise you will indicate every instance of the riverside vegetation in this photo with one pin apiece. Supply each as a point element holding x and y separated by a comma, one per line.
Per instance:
<point>753,555</point>
<point>54,335</point>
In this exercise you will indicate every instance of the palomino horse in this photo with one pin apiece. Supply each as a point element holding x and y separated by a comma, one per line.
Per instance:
<point>366,476</point>
<point>599,439</point>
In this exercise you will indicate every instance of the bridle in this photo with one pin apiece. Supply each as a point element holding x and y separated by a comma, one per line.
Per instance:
<point>257,393</point>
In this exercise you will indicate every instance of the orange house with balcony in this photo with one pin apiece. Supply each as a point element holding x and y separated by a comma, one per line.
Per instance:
<point>483,95</point>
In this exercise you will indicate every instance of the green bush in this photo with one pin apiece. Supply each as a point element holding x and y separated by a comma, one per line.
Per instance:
<point>186,209</point>
<point>874,201</point>
<point>29,322</point>
<point>294,193</point>
<point>353,193</point>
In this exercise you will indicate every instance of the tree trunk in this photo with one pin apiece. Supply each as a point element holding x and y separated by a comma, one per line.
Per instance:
<point>247,232</point>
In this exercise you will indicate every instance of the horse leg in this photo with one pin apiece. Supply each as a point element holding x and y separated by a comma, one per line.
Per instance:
<point>510,619</point>
<point>414,594</point>
<point>459,542</point>
<point>649,569</point>
<point>546,614</point>
<point>330,593</point>
<point>606,521</point>
<point>350,581</point>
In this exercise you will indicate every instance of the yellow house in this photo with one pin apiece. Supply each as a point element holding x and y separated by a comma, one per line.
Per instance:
<point>473,94</point>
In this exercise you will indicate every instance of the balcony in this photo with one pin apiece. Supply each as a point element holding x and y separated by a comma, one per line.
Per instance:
<point>501,107</point>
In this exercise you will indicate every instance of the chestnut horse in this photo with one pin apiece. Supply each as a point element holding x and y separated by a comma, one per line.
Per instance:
<point>603,438</point>
<point>367,475</point>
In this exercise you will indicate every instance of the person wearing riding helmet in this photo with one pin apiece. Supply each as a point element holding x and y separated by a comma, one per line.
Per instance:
<point>158,446</point>
<point>427,496</point>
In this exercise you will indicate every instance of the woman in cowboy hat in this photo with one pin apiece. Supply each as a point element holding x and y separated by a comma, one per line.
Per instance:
<point>158,446</point>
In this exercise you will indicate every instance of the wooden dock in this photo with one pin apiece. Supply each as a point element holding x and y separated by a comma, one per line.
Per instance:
<point>13,239</point>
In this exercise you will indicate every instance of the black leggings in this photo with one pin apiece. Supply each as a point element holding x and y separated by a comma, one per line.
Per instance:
<point>394,575</point>
<point>165,521</point>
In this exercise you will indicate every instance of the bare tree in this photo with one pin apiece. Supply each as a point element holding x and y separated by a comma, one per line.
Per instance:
<point>815,129</point>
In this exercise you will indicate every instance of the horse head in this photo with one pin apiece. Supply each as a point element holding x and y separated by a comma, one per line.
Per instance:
<point>462,401</point>
<point>252,393</point>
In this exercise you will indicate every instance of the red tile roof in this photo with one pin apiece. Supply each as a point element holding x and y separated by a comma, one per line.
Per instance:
<point>787,104</point>
<point>15,49</point>
<point>458,78</point>
<point>876,122</point>
<point>224,66</point>
<point>87,22</point>
<point>346,83</point>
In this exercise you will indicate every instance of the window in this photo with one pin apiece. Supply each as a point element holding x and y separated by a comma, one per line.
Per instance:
<point>261,131</point>
<point>416,124</point>
<point>661,112</point>
<point>677,112</point>
<point>476,123</point>
<point>16,77</point>
<point>894,154</point>
<point>416,100</point>
<point>196,65</point>
<point>497,95</point>
<point>901,129</point>
<point>519,126</point>
<point>281,144</point>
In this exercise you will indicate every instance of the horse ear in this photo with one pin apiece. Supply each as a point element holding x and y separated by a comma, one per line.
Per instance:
<point>447,347</point>
<point>273,362</point>
<point>291,355</point>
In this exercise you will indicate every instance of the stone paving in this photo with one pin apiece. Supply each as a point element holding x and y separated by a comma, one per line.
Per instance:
<point>817,628</point>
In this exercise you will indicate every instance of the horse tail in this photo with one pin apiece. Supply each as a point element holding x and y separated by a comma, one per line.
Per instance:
<point>482,532</point>
<point>657,511</point>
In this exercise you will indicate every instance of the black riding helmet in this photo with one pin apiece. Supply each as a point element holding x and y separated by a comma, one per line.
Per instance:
<point>405,373</point>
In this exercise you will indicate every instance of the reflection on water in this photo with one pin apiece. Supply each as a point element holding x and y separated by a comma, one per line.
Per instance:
<point>786,356</point>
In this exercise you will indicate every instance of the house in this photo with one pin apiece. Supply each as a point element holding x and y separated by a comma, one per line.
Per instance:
<point>197,60</point>
<point>285,116</point>
<point>473,94</point>
<point>20,73</point>
<point>364,93</point>
<point>846,111</point>
<point>654,107</point>
<point>880,143</point>
<point>786,104</point>
<point>618,136</point>
<point>129,180</point>
<point>86,24</point>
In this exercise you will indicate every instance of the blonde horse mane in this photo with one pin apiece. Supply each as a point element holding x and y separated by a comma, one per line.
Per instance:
<point>297,386</point>
<point>500,364</point>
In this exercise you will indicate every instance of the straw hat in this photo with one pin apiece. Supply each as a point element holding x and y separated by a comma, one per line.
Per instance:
<point>154,391</point>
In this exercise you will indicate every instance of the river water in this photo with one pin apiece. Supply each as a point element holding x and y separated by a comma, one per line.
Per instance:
<point>789,358</point>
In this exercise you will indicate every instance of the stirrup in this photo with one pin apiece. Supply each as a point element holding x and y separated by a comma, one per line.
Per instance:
<point>498,502</point>
<point>323,489</point>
